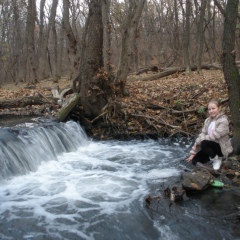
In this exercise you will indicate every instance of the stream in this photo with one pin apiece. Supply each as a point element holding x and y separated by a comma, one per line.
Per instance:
<point>58,184</point>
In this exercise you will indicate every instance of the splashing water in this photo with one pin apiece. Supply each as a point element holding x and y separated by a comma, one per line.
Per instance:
<point>73,188</point>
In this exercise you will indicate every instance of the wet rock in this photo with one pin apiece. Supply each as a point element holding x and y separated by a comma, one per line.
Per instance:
<point>227,165</point>
<point>175,194</point>
<point>226,180</point>
<point>153,202</point>
<point>196,180</point>
<point>230,175</point>
<point>150,199</point>
<point>208,168</point>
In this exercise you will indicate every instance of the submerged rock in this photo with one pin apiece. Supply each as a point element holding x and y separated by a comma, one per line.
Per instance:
<point>175,194</point>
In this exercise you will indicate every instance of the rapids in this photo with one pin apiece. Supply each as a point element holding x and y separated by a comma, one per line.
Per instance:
<point>57,184</point>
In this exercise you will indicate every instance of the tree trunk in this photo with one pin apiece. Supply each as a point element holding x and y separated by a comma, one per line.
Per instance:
<point>176,41</point>
<point>219,6</point>
<point>186,38</point>
<point>230,69</point>
<point>31,61</point>
<point>76,85</point>
<point>17,43</point>
<point>147,41</point>
<point>106,36</point>
<point>53,52</point>
<point>200,36</point>
<point>72,41</point>
<point>128,38</point>
<point>210,44</point>
<point>26,101</point>
<point>60,51</point>
<point>94,84</point>
<point>42,42</point>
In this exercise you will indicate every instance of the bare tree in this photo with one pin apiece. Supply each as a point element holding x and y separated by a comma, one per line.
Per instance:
<point>42,44</point>
<point>52,26</point>
<point>129,36</point>
<point>60,51</point>
<point>186,37</point>
<point>230,69</point>
<point>72,40</point>
<point>106,35</point>
<point>17,45</point>
<point>210,35</point>
<point>147,40</point>
<point>91,80</point>
<point>30,41</point>
<point>176,40</point>
<point>200,34</point>
<point>161,36</point>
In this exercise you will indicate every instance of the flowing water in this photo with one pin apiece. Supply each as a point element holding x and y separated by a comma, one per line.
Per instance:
<point>57,184</point>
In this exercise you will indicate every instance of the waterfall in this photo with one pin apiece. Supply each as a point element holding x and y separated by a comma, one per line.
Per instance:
<point>23,148</point>
<point>73,188</point>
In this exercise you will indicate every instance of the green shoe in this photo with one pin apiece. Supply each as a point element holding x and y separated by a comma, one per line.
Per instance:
<point>216,183</point>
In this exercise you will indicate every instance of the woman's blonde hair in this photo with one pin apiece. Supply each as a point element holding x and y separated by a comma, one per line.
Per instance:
<point>216,101</point>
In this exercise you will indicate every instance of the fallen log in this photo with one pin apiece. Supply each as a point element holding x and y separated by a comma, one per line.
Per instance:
<point>25,101</point>
<point>170,71</point>
<point>60,96</point>
<point>68,107</point>
<point>165,73</point>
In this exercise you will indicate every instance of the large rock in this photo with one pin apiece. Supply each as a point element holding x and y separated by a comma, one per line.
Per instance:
<point>196,180</point>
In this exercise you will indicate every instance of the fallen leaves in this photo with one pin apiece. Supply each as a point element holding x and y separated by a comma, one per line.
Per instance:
<point>183,93</point>
<point>153,106</point>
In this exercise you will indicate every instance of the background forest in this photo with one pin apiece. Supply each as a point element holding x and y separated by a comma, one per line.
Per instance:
<point>99,44</point>
<point>42,39</point>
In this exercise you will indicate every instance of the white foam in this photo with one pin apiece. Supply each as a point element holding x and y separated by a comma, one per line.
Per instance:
<point>98,179</point>
<point>163,173</point>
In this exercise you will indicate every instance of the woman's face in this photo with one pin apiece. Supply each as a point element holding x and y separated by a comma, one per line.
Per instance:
<point>213,110</point>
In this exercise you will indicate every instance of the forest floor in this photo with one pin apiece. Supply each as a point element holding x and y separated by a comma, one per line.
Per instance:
<point>173,105</point>
<point>164,107</point>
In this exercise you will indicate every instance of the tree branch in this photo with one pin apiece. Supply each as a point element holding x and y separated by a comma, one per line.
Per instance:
<point>220,7</point>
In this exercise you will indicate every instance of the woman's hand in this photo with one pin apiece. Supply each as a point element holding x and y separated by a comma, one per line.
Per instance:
<point>190,158</point>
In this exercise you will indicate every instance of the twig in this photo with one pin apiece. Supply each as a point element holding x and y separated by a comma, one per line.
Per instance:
<point>157,120</point>
<point>44,97</point>
<point>102,114</point>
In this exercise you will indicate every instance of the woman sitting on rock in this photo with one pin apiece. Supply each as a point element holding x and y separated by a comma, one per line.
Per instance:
<point>213,142</point>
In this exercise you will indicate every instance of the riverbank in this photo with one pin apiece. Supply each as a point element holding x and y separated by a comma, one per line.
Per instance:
<point>174,105</point>
<point>171,106</point>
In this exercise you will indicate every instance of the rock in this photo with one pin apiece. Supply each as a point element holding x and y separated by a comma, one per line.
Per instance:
<point>209,169</point>
<point>227,165</point>
<point>196,180</point>
<point>226,180</point>
<point>237,174</point>
<point>230,175</point>
<point>175,194</point>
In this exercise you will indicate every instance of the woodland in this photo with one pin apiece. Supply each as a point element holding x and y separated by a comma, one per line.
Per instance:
<point>123,69</point>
